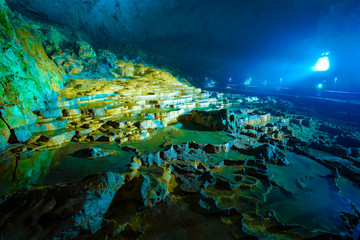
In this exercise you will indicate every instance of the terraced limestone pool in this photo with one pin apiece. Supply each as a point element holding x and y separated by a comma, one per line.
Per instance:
<point>63,164</point>
<point>178,134</point>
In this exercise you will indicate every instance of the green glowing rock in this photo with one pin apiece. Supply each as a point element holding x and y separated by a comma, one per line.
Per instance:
<point>4,134</point>
<point>27,76</point>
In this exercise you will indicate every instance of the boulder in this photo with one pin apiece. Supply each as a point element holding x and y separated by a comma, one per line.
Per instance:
<point>149,124</point>
<point>91,152</point>
<point>268,152</point>
<point>60,211</point>
<point>218,120</point>
<point>84,50</point>
<point>22,134</point>
<point>153,189</point>
<point>107,57</point>
<point>190,178</point>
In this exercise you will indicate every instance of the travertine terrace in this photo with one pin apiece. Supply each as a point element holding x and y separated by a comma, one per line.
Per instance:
<point>95,146</point>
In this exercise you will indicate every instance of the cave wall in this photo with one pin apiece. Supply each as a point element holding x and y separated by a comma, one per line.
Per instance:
<point>28,77</point>
<point>220,39</point>
<point>203,37</point>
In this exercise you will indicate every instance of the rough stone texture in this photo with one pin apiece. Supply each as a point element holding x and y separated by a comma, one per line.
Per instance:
<point>149,124</point>
<point>22,134</point>
<point>64,211</point>
<point>180,183</point>
<point>27,76</point>
<point>4,134</point>
<point>91,152</point>
<point>218,120</point>
<point>84,50</point>
<point>268,152</point>
<point>187,151</point>
<point>208,25</point>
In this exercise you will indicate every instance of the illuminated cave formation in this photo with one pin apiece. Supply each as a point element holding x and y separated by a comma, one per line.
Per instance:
<point>133,120</point>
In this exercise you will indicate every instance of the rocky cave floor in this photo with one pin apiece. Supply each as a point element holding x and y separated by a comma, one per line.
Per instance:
<point>127,151</point>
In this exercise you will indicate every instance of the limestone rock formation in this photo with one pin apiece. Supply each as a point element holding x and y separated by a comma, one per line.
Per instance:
<point>161,158</point>
<point>92,152</point>
<point>220,120</point>
<point>269,153</point>
<point>28,77</point>
<point>4,134</point>
<point>59,211</point>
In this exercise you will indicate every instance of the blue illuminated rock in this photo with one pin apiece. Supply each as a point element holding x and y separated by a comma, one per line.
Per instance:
<point>217,120</point>
<point>267,152</point>
<point>4,134</point>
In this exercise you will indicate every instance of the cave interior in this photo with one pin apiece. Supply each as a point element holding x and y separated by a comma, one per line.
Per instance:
<point>179,119</point>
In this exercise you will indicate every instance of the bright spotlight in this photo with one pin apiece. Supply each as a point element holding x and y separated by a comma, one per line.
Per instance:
<point>320,86</point>
<point>323,64</point>
<point>247,82</point>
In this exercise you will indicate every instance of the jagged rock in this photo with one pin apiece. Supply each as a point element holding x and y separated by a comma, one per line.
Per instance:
<point>22,134</point>
<point>64,211</point>
<point>292,141</point>
<point>84,50</point>
<point>220,120</point>
<point>192,180</point>
<point>107,57</point>
<point>28,76</point>
<point>54,40</point>
<point>156,184</point>
<point>187,151</point>
<point>153,191</point>
<point>268,152</point>
<point>286,130</point>
<point>91,152</point>
<point>73,67</point>
<point>149,124</point>
<point>217,148</point>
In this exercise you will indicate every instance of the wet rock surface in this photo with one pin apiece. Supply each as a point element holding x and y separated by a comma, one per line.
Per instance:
<point>59,211</point>
<point>124,150</point>
<point>91,152</point>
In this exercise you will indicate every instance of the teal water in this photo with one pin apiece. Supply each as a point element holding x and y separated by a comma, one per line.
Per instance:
<point>178,134</point>
<point>66,166</point>
<point>60,165</point>
<point>314,201</point>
